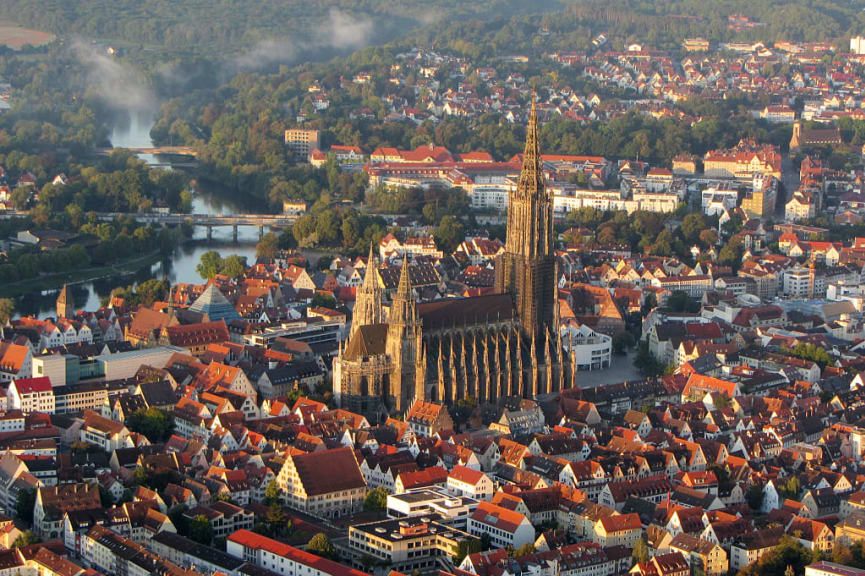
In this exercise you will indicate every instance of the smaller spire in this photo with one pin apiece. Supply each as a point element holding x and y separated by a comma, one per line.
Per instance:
<point>404,288</point>
<point>369,280</point>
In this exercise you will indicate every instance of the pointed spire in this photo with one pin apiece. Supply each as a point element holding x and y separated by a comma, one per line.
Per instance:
<point>404,288</point>
<point>368,305</point>
<point>369,278</point>
<point>532,175</point>
<point>403,306</point>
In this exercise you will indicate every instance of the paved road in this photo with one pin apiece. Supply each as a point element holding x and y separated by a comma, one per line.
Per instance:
<point>790,181</point>
<point>621,370</point>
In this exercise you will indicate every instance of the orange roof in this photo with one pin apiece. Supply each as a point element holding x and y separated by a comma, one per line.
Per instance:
<point>621,523</point>
<point>426,412</point>
<point>467,475</point>
<point>498,517</point>
<point>703,382</point>
<point>12,356</point>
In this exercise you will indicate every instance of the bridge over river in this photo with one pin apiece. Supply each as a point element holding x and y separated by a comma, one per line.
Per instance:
<point>155,150</point>
<point>209,221</point>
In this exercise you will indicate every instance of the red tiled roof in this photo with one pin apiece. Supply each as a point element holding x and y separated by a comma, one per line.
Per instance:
<point>621,523</point>
<point>467,475</point>
<point>426,477</point>
<point>497,516</point>
<point>31,385</point>
<point>255,541</point>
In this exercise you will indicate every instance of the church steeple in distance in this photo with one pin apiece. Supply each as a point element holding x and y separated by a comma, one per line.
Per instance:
<point>527,268</point>
<point>64,304</point>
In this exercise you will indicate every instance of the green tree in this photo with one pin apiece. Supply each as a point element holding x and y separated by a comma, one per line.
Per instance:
<point>210,264</point>
<point>692,225</point>
<point>25,504</point>
<point>320,544</point>
<point>809,351</point>
<point>25,539</point>
<point>271,492</point>
<point>731,252</point>
<point>466,547</point>
<point>267,247</point>
<point>449,234</point>
<point>622,341</point>
<point>709,237</point>
<point>679,301</point>
<point>663,245</point>
<point>524,550</point>
<point>323,301</point>
<point>376,500</point>
<point>151,290</point>
<point>233,266</point>
<point>754,496</point>
<point>641,551</point>
<point>788,557</point>
<point>156,425</point>
<point>200,530</point>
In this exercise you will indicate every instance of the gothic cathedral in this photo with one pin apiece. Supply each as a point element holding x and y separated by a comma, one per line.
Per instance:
<point>486,347</point>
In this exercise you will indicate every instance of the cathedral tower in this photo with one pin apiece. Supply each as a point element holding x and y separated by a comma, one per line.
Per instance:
<point>367,307</point>
<point>404,343</point>
<point>527,269</point>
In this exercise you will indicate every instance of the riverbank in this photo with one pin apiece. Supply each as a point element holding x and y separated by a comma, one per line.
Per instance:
<point>56,281</point>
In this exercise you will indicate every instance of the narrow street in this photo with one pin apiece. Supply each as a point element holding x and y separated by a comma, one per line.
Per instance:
<point>790,183</point>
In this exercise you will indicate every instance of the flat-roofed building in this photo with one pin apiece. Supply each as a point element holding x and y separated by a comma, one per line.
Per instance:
<point>450,510</point>
<point>408,545</point>
<point>301,142</point>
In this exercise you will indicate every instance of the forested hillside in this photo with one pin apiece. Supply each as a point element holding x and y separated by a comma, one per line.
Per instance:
<point>214,28</point>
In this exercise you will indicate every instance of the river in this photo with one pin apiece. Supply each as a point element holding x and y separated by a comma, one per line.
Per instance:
<point>133,130</point>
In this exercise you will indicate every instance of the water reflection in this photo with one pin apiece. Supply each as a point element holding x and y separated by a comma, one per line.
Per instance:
<point>133,130</point>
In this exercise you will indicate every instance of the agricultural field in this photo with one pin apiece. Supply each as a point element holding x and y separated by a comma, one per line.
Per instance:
<point>15,36</point>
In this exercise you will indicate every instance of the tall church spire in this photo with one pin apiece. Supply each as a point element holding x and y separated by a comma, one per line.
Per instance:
<point>404,343</point>
<point>527,268</point>
<point>532,174</point>
<point>368,304</point>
